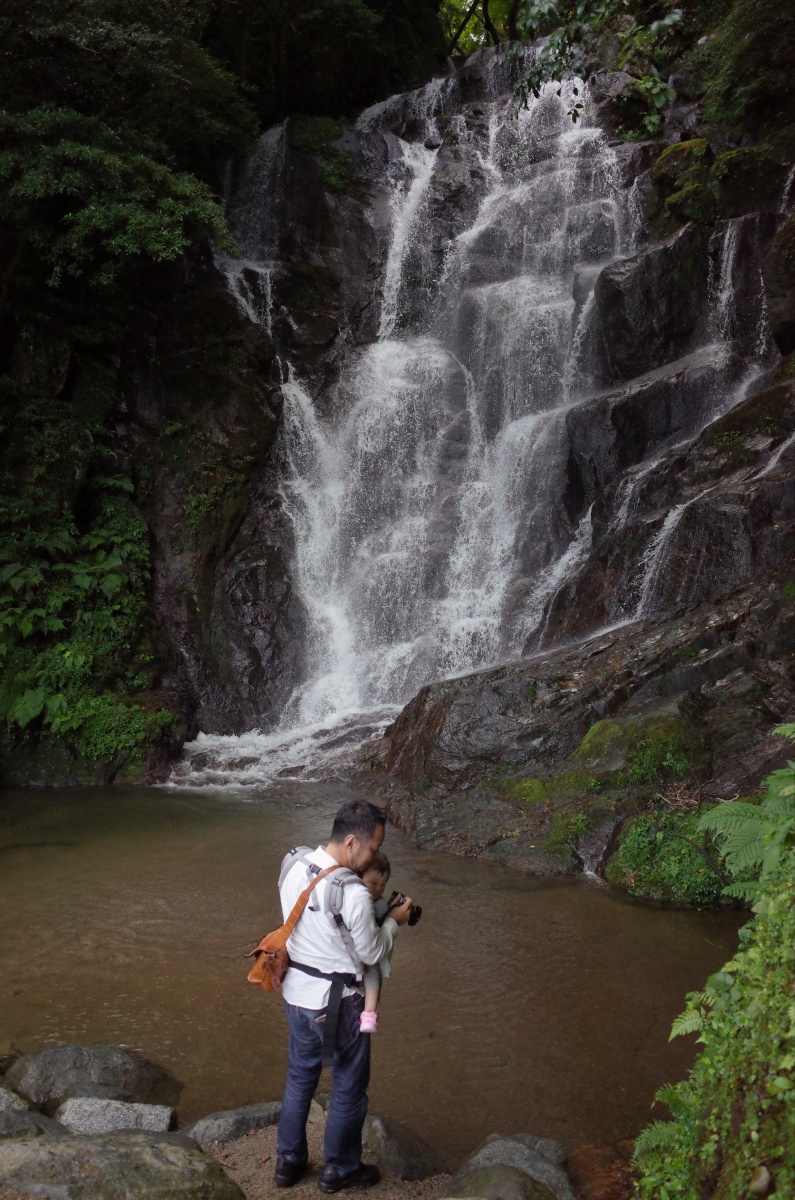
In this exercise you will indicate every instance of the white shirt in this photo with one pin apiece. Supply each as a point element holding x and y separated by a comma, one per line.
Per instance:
<point>317,942</point>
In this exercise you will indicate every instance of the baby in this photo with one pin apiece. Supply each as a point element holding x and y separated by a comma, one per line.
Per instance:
<point>375,879</point>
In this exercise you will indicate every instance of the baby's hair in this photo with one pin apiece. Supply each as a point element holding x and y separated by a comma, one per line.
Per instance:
<point>380,865</point>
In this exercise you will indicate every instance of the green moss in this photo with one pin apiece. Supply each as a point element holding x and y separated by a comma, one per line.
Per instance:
<point>539,791</point>
<point>692,202</point>
<point>565,831</point>
<point>661,857</point>
<point>216,480</point>
<point>679,158</point>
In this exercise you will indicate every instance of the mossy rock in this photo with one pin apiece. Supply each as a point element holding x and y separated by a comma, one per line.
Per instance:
<point>693,202</point>
<point>539,791</point>
<point>681,157</point>
<point>643,749</point>
<point>683,190</point>
<point>745,180</point>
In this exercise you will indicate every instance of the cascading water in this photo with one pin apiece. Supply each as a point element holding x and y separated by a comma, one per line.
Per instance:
<point>427,493</point>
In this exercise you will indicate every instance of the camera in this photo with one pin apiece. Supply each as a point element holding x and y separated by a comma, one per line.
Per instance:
<point>395,901</point>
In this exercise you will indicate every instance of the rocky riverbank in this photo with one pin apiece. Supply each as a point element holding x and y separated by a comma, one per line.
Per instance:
<point>90,1122</point>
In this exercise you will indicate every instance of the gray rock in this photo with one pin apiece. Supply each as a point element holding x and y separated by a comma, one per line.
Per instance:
<point>517,1152</point>
<point>18,1123</point>
<point>87,1114</point>
<point>500,1183</point>
<point>398,1150</point>
<point>546,1147</point>
<point>136,1166</point>
<point>53,1075</point>
<point>10,1101</point>
<point>235,1123</point>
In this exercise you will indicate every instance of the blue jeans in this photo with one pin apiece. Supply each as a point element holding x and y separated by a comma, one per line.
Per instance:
<point>350,1075</point>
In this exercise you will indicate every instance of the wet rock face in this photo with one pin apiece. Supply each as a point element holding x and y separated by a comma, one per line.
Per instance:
<point>485,763</point>
<point>651,306</point>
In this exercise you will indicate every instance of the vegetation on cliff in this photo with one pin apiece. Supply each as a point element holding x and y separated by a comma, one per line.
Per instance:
<point>115,122</point>
<point>733,1128</point>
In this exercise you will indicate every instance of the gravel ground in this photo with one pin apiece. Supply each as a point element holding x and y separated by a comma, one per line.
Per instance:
<point>251,1161</point>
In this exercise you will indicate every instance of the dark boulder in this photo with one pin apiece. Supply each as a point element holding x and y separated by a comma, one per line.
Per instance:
<point>50,1076</point>
<point>398,1150</point>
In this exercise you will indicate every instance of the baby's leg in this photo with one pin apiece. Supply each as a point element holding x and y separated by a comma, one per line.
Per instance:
<point>371,995</point>
<point>372,990</point>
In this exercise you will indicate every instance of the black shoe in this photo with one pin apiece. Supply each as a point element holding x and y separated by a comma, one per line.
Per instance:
<point>288,1173</point>
<point>364,1176</point>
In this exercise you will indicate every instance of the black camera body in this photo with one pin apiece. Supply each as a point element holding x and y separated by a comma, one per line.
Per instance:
<point>395,901</point>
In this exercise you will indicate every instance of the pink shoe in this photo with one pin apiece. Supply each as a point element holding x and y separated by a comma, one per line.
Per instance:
<point>368,1022</point>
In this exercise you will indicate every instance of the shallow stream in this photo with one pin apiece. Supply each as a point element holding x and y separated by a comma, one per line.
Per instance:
<point>514,1005</point>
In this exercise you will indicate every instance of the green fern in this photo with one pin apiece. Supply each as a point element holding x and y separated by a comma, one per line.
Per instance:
<point>753,839</point>
<point>657,1136</point>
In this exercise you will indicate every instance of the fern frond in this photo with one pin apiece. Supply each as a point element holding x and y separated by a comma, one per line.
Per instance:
<point>728,817</point>
<point>741,855</point>
<point>787,731</point>
<point>690,1021</point>
<point>656,1136</point>
<point>666,1094</point>
<point>747,890</point>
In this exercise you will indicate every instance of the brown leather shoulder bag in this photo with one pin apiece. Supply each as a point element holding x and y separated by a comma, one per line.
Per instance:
<point>271,959</point>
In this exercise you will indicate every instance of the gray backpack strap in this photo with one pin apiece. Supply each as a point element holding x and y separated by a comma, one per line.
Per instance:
<point>297,854</point>
<point>332,904</point>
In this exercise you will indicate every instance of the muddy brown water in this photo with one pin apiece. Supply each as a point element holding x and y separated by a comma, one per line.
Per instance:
<point>513,1005</point>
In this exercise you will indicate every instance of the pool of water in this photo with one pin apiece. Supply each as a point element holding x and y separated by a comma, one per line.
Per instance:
<point>514,1005</point>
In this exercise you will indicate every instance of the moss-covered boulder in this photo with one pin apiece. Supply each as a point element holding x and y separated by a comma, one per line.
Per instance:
<point>745,180</point>
<point>691,184</point>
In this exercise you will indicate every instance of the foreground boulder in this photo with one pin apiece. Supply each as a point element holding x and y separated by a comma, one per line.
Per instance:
<point>540,1159</point>
<point>54,1075</point>
<point>500,1183</point>
<point>89,1114</point>
<point>137,1166</point>
<point>235,1123</point>
<point>398,1150</point>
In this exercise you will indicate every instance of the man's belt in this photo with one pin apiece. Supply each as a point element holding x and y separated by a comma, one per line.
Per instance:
<point>338,980</point>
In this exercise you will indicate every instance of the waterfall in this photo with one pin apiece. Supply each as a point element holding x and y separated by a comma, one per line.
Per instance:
<point>426,491</point>
<point>426,505</point>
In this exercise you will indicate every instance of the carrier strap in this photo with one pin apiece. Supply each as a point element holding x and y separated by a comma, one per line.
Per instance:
<point>338,980</point>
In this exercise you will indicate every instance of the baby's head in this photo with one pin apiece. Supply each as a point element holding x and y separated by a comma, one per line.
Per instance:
<point>376,876</point>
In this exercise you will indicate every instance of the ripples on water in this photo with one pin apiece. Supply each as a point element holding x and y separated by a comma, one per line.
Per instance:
<point>513,1005</point>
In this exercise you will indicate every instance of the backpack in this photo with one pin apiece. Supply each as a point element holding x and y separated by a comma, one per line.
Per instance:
<point>271,960</point>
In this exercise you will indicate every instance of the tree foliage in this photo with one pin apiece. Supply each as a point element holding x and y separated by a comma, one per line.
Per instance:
<point>112,124</point>
<point>325,57</point>
<point>574,30</point>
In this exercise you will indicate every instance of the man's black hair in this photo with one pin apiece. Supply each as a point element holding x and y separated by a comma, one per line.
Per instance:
<point>358,817</point>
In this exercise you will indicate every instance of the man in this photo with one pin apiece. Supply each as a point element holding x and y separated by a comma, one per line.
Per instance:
<point>324,997</point>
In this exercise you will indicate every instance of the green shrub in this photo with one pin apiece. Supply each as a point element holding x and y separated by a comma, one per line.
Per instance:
<point>733,1132</point>
<point>663,856</point>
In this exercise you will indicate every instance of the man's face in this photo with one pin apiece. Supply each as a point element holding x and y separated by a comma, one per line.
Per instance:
<point>360,853</point>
